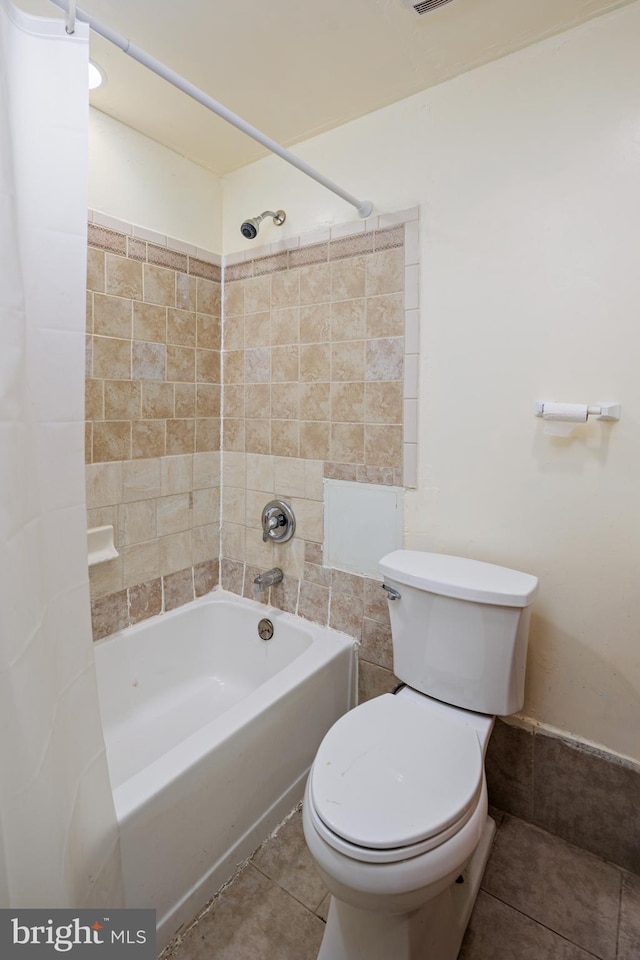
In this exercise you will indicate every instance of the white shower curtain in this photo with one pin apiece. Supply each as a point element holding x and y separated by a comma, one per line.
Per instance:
<point>58,834</point>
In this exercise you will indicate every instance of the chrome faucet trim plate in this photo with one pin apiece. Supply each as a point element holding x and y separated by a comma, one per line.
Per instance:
<point>278,522</point>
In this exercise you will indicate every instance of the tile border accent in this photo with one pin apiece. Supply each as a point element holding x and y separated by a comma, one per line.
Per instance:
<point>144,235</point>
<point>114,241</point>
<point>305,255</point>
<point>336,232</point>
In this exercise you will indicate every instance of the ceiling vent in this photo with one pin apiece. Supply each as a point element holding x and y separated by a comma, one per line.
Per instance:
<point>424,6</point>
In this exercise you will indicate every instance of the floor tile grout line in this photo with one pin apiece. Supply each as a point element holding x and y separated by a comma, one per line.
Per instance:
<point>544,926</point>
<point>327,894</point>
<point>287,893</point>
<point>619,916</point>
<point>312,910</point>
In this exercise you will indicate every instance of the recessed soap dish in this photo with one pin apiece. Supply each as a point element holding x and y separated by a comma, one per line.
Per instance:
<point>100,545</point>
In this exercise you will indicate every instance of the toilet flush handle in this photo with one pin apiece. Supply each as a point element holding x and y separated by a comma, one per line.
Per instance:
<point>391,593</point>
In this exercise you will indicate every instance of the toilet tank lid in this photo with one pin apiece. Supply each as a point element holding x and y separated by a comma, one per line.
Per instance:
<point>460,577</point>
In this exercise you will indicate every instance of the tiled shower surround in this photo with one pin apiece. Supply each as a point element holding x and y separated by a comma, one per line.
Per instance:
<point>320,380</point>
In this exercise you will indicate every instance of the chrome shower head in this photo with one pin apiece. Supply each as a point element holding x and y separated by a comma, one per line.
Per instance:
<point>249,229</point>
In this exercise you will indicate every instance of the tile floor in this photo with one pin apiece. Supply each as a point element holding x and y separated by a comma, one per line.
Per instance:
<point>541,899</point>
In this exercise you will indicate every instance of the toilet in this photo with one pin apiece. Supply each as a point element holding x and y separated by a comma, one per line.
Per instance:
<point>395,806</point>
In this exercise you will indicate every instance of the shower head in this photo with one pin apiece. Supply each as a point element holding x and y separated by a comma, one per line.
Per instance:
<point>249,229</point>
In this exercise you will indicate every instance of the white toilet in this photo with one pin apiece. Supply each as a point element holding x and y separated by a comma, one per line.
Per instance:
<point>395,808</point>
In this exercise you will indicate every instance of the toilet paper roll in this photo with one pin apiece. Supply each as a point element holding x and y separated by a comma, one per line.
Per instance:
<point>561,418</point>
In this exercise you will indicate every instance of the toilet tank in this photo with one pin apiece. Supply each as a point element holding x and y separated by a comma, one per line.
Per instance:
<point>460,628</point>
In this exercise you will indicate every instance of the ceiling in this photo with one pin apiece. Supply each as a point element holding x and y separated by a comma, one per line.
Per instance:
<point>294,68</point>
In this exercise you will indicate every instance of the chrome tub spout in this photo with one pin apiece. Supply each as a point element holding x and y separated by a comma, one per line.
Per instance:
<point>268,579</point>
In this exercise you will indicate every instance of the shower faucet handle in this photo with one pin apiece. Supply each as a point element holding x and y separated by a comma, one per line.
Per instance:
<point>275,520</point>
<point>278,522</point>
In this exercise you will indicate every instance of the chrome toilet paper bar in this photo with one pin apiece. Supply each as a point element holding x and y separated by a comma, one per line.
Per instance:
<point>608,410</point>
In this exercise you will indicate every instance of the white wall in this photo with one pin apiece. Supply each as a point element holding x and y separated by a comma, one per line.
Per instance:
<point>527,172</point>
<point>137,180</point>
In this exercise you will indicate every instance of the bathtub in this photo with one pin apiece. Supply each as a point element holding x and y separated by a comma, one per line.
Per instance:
<point>210,732</point>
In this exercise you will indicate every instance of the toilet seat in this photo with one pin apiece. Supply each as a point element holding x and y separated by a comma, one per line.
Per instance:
<point>388,855</point>
<point>392,780</point>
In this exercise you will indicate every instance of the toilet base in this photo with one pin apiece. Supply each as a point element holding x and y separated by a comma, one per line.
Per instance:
<point>434,932</point>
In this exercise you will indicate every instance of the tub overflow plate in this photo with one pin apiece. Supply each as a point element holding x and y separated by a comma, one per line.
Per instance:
<point>265,629</point>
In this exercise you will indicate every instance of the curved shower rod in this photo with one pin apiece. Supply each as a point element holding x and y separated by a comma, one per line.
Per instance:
<point>364,207</point>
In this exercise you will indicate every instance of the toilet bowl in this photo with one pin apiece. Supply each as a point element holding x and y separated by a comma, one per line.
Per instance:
<point>424,760</point>
<point>395,807</point>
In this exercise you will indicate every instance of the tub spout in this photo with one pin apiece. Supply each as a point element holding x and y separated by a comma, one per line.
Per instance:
<point>267,579</point>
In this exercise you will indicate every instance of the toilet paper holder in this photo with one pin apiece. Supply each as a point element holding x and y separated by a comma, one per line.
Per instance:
<point>608,410</point>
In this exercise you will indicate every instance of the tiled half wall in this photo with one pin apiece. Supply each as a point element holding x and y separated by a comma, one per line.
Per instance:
<point>584,795</point>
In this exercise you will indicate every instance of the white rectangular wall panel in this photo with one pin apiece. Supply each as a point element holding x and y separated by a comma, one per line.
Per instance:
<point>362,523</point>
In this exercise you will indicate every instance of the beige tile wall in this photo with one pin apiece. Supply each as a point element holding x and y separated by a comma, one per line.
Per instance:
<point>153,421</point>
<point>153,350</point>
<point>314,354</point>
<point>319,380</point>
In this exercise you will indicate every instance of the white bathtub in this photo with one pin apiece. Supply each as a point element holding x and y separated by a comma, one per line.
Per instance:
<point>210,732</point>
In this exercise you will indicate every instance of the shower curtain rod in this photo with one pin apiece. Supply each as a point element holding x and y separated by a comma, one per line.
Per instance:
<point>364,207</point>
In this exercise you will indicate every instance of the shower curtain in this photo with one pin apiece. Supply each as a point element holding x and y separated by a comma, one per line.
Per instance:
<point>58,834</point>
